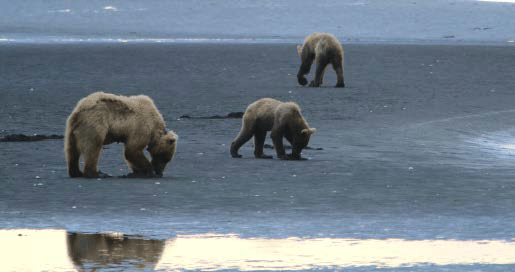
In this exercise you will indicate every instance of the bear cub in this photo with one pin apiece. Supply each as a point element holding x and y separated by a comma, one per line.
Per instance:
<point>101,118</point>
<point>323,48</point>
<point>283,119</point>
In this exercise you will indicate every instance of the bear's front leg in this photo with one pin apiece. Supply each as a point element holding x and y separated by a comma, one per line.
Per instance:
<point>277,139</point>
<point>304,69</point>
<point>313,83</point>
<point>139,164</point>
<point>293,157</point>
<point>302,80</point>
<point>295,153</point>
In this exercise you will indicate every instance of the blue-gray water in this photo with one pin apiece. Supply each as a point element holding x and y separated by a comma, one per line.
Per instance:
<point>350,20</point>
<point>418,146</point>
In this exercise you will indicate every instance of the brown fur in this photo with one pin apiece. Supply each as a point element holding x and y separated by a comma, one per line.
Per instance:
<point>283,119</point>
<point>325,49</point>
<point>101,119</point>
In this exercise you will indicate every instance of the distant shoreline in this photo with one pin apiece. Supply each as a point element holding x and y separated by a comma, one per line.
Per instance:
<point>13,39</point>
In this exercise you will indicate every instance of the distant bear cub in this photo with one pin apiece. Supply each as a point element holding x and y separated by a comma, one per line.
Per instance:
<point>283,119</point>
<point>325,49</point>
<point>101,119</point>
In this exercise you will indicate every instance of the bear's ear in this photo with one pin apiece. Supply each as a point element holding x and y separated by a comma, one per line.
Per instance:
<point>308,131</point>
<point>299,50</point>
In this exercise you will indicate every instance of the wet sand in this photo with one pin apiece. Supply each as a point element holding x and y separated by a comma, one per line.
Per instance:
<point>417,146</point>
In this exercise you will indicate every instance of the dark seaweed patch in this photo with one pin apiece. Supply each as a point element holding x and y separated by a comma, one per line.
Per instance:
<point>29,138</point>
<point>289,147</point>
<point>232,115</point>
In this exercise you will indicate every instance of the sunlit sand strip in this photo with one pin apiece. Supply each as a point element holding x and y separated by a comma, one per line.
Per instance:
<point>34,250</point>
<point>215,252</point>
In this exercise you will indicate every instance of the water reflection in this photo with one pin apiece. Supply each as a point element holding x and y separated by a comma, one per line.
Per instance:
<point>92,251</point>
<point>59,250</point>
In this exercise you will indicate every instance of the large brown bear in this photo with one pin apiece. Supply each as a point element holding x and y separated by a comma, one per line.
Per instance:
<point>101,119</point>
<point>325,49</point>
<point>283,119</point>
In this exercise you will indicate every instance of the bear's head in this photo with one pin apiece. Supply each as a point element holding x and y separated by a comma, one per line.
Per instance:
<point>162,151</point>
<point>300,141</point>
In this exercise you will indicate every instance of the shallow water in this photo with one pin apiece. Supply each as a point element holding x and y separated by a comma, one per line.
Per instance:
<point>350,20</point>
<point>416,147</point>
<point>58,250</point>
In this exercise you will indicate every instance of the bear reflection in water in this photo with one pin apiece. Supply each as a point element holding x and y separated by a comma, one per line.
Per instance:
<point>99,250</point>
<point>101,119</point>
<point>283,119</point>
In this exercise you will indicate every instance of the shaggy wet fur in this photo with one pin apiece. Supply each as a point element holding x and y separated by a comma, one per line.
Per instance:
<point>324,49</point>
<point>283,119</point>
<point>101,119</point>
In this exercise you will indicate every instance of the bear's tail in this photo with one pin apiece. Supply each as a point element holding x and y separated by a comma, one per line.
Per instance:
<point>72,151</point>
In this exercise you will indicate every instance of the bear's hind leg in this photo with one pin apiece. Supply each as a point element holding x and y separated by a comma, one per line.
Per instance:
<point>72,153</point>
<point>73,165</point>
<point>137,161</point>
<point>322,63</point>
<point>338,68</point>
<point>259,142</point>
<point>244,136</point>
<point>91,158</point>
